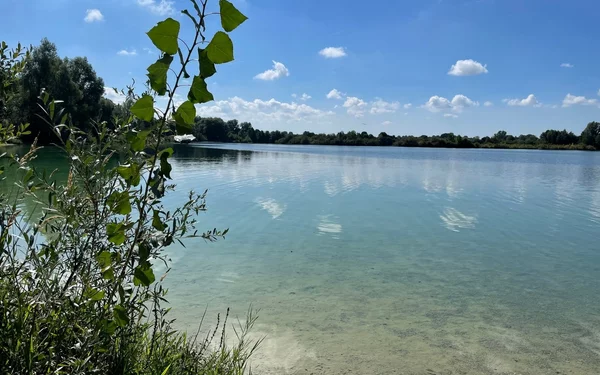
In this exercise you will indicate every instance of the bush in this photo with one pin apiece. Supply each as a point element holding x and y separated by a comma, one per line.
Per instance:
<point>78,292</point>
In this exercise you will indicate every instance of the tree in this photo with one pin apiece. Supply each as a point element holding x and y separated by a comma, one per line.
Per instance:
<point>500,136</point>
<point>591,134</point>
<point>74,81</point>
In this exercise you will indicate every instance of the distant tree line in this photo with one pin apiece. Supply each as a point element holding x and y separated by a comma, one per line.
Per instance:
<point>74,81</point>
<point>215,129</point>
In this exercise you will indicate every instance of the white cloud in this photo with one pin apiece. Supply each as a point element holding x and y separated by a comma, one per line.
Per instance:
<point>488,104</point>
<point>567,65</point>
<point>262,111</point>
<point>125,52</point>
<point>305,97</point>
<point>529,101</point>
<point>457,104</point>
<point>386,123</point>
<point>437,104</point>
<point>355,106</point>
<point>381,106</point>
<point>161,8</point>
<point>335,94</point>
<point>149,50</point>
<point>407,106</point>
<point>570,100</point>
<point>279,70</point>
<point>450,115</point>
<point>467,68</point>
<point>333,52</point>
<point>114,96</point>
<point>598,92</point>
<point>93,15</point>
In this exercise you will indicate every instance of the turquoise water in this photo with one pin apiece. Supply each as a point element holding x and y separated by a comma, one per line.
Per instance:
<point>394,260</point>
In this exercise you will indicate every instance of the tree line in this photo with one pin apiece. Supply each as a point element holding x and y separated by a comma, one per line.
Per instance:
<point>75,82</point>
<point>214,129</point>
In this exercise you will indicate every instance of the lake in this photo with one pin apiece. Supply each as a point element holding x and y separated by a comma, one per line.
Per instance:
<point>397,260</point>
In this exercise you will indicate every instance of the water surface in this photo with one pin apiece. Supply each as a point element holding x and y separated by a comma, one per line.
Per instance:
<point>396,260</point>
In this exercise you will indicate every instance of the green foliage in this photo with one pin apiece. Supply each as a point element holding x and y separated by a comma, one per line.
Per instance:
<point>72,80</point>
<point>591,135</point>
<point>199,93</point>
<point>231,18</point>
<point>157,74</point>
<point>165,36</point>
<point>220,48</point>
<point>184,117</point>
<point>12,64</point>
<point>207,67</point>
<point>217,130</point>
<point>78,286</point>
<point>144,108</point>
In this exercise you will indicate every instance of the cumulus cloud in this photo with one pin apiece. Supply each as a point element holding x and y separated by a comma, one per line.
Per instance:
<point>529,101</point>
<point>114,96</point>
<point>333,52</point>
<point>467,68</point>
<point>355,106</point>
<point>452,115</point>
<point>93,15</point>
<point>161,8</point>
<point>305,97</point>
<point>567,65</point>
<point>488,104</point>
<point>125,52</point>
<point>380,106</point>
<point>260,111</point>
<point>437,104</point>
<point>279,70</point>
<point>407,105</point>
<point>335,94</point>
<point>570,100</point>
<point>386,123</point>
<point>457,104</point>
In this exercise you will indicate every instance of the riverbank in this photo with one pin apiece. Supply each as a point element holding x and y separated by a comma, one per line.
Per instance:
<point>501,146</point>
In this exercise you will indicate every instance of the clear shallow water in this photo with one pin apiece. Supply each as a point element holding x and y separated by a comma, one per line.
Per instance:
<point>398,261</point>
<point>391,260</point>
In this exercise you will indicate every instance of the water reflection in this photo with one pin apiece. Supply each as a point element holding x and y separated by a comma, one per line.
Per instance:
<point>455,220</point>
<point>274,208</point>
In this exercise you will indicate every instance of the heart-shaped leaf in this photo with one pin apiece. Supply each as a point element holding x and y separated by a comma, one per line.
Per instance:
<point>165,36</point>
<point>220,48</point>
<point>230,16</point>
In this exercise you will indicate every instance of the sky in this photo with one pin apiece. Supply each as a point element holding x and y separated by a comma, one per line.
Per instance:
<point>471,67</point>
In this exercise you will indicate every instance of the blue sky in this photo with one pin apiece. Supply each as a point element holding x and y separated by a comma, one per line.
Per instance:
<point>405,67</point>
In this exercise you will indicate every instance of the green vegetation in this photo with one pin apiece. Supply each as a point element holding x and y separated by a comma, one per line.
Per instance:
<point>217,130</point>
<point>79,293</point>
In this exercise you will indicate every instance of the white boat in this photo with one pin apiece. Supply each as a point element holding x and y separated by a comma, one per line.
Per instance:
<point>186,138</point>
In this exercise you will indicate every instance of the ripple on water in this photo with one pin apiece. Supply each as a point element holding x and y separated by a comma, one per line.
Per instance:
<point>455,220</point>
<point>328,226</point>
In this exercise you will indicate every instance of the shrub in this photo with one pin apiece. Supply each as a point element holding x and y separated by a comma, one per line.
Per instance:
<point>78,290</point>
